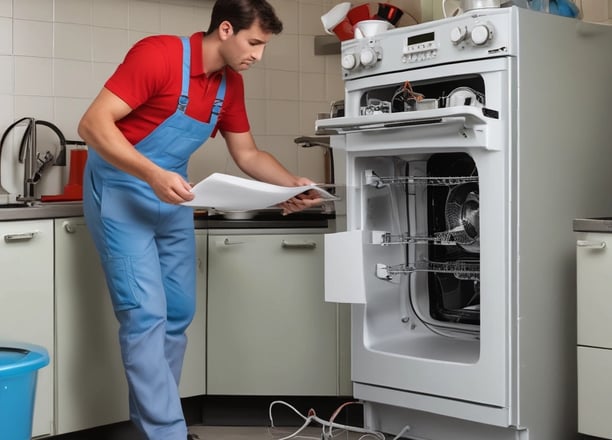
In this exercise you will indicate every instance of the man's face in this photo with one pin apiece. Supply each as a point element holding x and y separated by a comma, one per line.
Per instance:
<point>241,50</point>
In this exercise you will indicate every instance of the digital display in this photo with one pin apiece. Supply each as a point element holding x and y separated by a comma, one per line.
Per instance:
<point>423,38</point>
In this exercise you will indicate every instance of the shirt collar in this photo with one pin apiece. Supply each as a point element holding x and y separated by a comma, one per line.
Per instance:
<point>197,63</point>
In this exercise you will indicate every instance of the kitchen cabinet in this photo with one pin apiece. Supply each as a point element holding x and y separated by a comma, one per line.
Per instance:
<point>26,301</point>
<point>193,379</point>
<point>270,332</point>
<point>91,386</point>
<point>594,317</point>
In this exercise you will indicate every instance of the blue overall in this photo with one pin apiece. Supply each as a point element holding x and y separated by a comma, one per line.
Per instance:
<point>147,250</point>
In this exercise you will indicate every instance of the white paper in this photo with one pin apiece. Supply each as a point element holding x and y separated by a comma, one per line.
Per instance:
<point>231,193</point>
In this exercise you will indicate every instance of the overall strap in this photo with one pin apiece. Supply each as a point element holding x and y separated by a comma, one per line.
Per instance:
<point>184,98</point>
<point>219,98</point>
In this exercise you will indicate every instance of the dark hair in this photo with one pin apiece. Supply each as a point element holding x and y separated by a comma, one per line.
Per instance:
<point>243,13</point>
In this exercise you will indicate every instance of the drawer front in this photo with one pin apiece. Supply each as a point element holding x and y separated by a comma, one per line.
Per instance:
<point>594,392</point>
<point>594,289</point>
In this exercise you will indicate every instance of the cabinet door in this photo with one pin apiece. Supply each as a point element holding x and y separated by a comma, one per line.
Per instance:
<point>26,301</point>
<point>594,278</point>
<point>193,378</point>
<point>91,385</point>
<point>270,331</point>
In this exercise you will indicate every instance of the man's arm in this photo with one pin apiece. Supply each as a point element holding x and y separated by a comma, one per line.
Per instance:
<point>263,166</point>
<point>97,127</point>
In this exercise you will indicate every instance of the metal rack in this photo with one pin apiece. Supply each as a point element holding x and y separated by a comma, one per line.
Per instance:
<point>461,269</point>
<point>372,179</point>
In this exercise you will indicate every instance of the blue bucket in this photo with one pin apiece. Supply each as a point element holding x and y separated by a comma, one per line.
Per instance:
<point>19,365</point>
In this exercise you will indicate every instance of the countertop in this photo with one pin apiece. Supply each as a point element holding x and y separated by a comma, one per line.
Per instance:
<point>598,224</point>
<point>260,219</point>
<point>41,210</point>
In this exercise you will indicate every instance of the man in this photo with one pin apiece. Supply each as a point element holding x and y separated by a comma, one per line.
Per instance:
<point>166,98</point>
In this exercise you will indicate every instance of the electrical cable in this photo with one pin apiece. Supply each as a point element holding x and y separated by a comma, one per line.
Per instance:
<point>312,417</point>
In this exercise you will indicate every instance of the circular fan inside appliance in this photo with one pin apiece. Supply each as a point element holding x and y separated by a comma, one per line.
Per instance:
<point>462,212</point>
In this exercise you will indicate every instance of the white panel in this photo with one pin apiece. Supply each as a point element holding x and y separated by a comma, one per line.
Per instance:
<point>594,279</point>
<point>344,263</point>
<point>594,392</point>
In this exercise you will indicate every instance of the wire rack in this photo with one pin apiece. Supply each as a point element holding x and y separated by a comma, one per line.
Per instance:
<point>379,182</point>
<point>461,269</point>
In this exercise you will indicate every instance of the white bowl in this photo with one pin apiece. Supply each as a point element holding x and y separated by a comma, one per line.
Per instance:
<point>370,28</point>
<point>334,16</point>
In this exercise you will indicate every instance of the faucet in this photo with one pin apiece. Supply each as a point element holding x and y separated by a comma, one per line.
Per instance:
<point>320,141</point>
<point>34,163</point>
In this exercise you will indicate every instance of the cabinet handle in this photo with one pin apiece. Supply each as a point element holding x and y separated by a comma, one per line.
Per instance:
<point>228,242</point>
<point>69,227</point>
<point>301,245</point>
<point>591,244</point>
<point>24,236</point>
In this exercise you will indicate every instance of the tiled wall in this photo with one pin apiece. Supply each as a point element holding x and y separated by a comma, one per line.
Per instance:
<point>56,54</point>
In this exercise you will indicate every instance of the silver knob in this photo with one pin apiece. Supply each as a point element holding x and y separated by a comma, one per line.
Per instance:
<point>481,34</point>
<point>349,61</point>
<point>458,34</point>
<point>368,56</point>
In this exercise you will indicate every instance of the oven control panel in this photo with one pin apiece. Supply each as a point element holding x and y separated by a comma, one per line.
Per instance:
<point>475,35</point>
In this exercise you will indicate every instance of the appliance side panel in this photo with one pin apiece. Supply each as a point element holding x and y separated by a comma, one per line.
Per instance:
<point>563,172</point>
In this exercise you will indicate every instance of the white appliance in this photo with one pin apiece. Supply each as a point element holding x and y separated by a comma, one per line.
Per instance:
<point>471,144</point>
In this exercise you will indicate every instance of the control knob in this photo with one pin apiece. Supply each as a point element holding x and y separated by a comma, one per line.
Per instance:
<point>458,34</point>
<point>349,61</point>
<point>368,57</point>
<point>481,34</point>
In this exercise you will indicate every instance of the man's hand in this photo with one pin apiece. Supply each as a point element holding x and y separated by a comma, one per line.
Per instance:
<point>300,202</point>
<point>170,187</point>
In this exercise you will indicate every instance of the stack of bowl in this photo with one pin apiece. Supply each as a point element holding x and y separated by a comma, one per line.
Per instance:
<point>342,20</point>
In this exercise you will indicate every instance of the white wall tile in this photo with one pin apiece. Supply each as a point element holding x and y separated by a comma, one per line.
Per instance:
<point>312,87</point>
<point>68,113</point>
<point>101,72</point>
<point>7,115</point>
<point>6,75</point>
<point>311,163</point>
<point>145,16</point>
<point>73,11</point>
<point>256,111</point>
<point>287,11</point>
<point>212,157</point>
<point>309,62</point>
<point>33,76</point>
<point>33,38</point>
<point>6,8</point>
<point>308,114</point>
<point>110,13</point>
<point>255,83</point>
<point>282,53</point>
<point>33,10</point>
<point>179,20</point>
<point>282,117</point>
<point>109,45</point>
<point>73,41</point>
<point>283,149</point>
<point>282,85</point>
<point>72,79</point>
<point>39,107</point>
<point>310,19</point>
<point>6,36</point>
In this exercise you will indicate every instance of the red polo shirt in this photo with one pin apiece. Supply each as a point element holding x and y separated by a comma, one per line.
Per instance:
<point>149,81</point>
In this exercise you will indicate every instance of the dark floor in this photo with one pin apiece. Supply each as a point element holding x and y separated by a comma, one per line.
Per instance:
<point>242,418</point>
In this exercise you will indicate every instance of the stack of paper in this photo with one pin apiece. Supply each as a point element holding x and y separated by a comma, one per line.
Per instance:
<point>225,192</point>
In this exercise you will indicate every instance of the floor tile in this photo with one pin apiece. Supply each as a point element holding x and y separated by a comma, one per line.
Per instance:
<point>265,433</point>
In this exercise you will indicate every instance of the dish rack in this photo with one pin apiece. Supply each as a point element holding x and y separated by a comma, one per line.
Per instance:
<point>466,269</point>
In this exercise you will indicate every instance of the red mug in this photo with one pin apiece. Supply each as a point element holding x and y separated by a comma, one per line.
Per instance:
<point>344,30</point>
<point>359,13</point>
